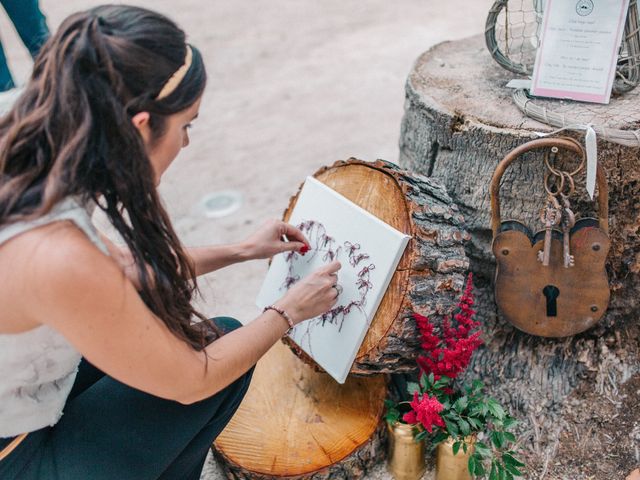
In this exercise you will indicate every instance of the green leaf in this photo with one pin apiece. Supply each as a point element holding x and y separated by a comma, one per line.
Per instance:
<point>439,437</point>
<point>495,409</point>
<point>452,428</point>
<point>451,415</point>
<point>497,438</point>
<point>513,470</point>
<point>460,404</point>
<point>482,449</point>
<point>392,417</point>
<point>471,464</point>
<point>509,422</point>
<point>421,436</point>
<point>509,436</point>
<point>475,411</point>
<point>456,447</point>
<point>484,409</point>
<point>475,423</point>
<point>412,387</point>
<point>493,474</point>
<point>393,414</point>
<point>465,429</point>
<point>443,382</point>
<point>502,473</point>
<point>479,471</point>
<point>509,459</point>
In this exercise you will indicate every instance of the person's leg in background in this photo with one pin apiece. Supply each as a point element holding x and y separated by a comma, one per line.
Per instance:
<point>29,21</point>
<point>31,25</point>
<point>6,80</point>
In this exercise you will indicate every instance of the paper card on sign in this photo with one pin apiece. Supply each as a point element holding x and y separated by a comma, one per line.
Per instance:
<point>578,50</point>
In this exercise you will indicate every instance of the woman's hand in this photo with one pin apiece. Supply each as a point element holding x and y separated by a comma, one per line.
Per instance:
<point>314,295</point>
<point>268,240</point>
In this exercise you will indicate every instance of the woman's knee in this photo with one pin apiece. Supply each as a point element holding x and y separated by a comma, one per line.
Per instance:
<point>229,399</point>
<point>235,392</point>
<point>217,327</point>
<point>239,388</point>
<point>226,324</point>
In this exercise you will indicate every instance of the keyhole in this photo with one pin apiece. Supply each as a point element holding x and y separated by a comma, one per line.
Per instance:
<point>552,293</point>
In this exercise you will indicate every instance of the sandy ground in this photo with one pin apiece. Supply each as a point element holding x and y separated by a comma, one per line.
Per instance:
<point>294,85</point>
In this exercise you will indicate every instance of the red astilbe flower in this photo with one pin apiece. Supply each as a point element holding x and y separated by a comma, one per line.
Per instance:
<point>449,354</point>
<point>426,411</point>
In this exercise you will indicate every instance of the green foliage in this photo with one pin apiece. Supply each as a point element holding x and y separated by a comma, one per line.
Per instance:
<point>413,387</point>
<point>393,414</point>
<point>467,411</point>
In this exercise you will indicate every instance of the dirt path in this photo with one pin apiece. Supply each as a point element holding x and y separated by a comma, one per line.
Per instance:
<point>294,85</point>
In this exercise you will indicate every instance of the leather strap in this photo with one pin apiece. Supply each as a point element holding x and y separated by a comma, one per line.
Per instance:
<point>12,446</point>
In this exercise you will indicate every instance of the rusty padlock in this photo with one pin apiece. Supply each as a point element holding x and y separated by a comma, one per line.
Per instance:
<point>553,300</point>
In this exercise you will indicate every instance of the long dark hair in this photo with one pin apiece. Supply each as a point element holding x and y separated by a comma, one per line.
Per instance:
<point>70,134</point>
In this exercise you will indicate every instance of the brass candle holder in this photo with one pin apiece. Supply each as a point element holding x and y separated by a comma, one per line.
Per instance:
<point>450,466</point>
<point>406,459</point>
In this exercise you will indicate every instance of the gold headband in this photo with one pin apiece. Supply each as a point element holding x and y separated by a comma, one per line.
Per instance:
<point>177,77</point>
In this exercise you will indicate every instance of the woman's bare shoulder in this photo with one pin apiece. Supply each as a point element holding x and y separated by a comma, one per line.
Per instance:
<point>46,258</point>
<point>67,283</point>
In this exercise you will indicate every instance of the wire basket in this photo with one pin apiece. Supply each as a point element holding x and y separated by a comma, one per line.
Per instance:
<point>617,122</point>
<point>513,32</point>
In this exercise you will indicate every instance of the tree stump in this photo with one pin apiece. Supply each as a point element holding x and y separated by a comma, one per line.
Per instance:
<point>431,272</point>
<point>297,423</point>
<point>459,122</point>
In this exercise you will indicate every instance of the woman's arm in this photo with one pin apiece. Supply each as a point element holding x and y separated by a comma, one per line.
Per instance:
<point>205,259</point>
<point>273,237</point>
<point>214,257</point>
<point>105,319</point>
<point>264,243</point>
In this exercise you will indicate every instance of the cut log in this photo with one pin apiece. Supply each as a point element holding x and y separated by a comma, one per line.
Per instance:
<point>459,122</point>
<point>295,423</point>
<point>431,272</point>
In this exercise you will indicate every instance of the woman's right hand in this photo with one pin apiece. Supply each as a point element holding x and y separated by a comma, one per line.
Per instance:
<point>313,295</point>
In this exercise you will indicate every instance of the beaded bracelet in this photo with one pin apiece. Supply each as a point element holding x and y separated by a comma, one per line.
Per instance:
<point>284,314</point>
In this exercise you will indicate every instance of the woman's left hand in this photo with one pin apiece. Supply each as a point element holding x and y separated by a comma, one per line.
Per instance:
<point>268,240</point>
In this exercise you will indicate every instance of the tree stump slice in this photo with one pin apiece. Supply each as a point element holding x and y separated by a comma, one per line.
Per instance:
<point>459,122</point>
<point>296,423</point>
<point>431,272</point>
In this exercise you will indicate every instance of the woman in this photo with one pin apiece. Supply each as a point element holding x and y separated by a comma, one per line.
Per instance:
<point>106,111</point>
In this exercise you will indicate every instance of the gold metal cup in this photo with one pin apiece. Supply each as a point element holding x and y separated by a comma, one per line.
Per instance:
<point>406,456</point>
<point>450,466</point>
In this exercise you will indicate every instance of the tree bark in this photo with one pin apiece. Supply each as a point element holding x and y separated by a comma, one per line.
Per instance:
<point>459,122</point>
<point>430,274</point>
<point>297,422</point>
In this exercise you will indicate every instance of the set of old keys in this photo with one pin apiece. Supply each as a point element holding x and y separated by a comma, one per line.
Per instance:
<point>557,209</point>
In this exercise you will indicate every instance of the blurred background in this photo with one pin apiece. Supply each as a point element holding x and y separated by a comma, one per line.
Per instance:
<point>293,85</point>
